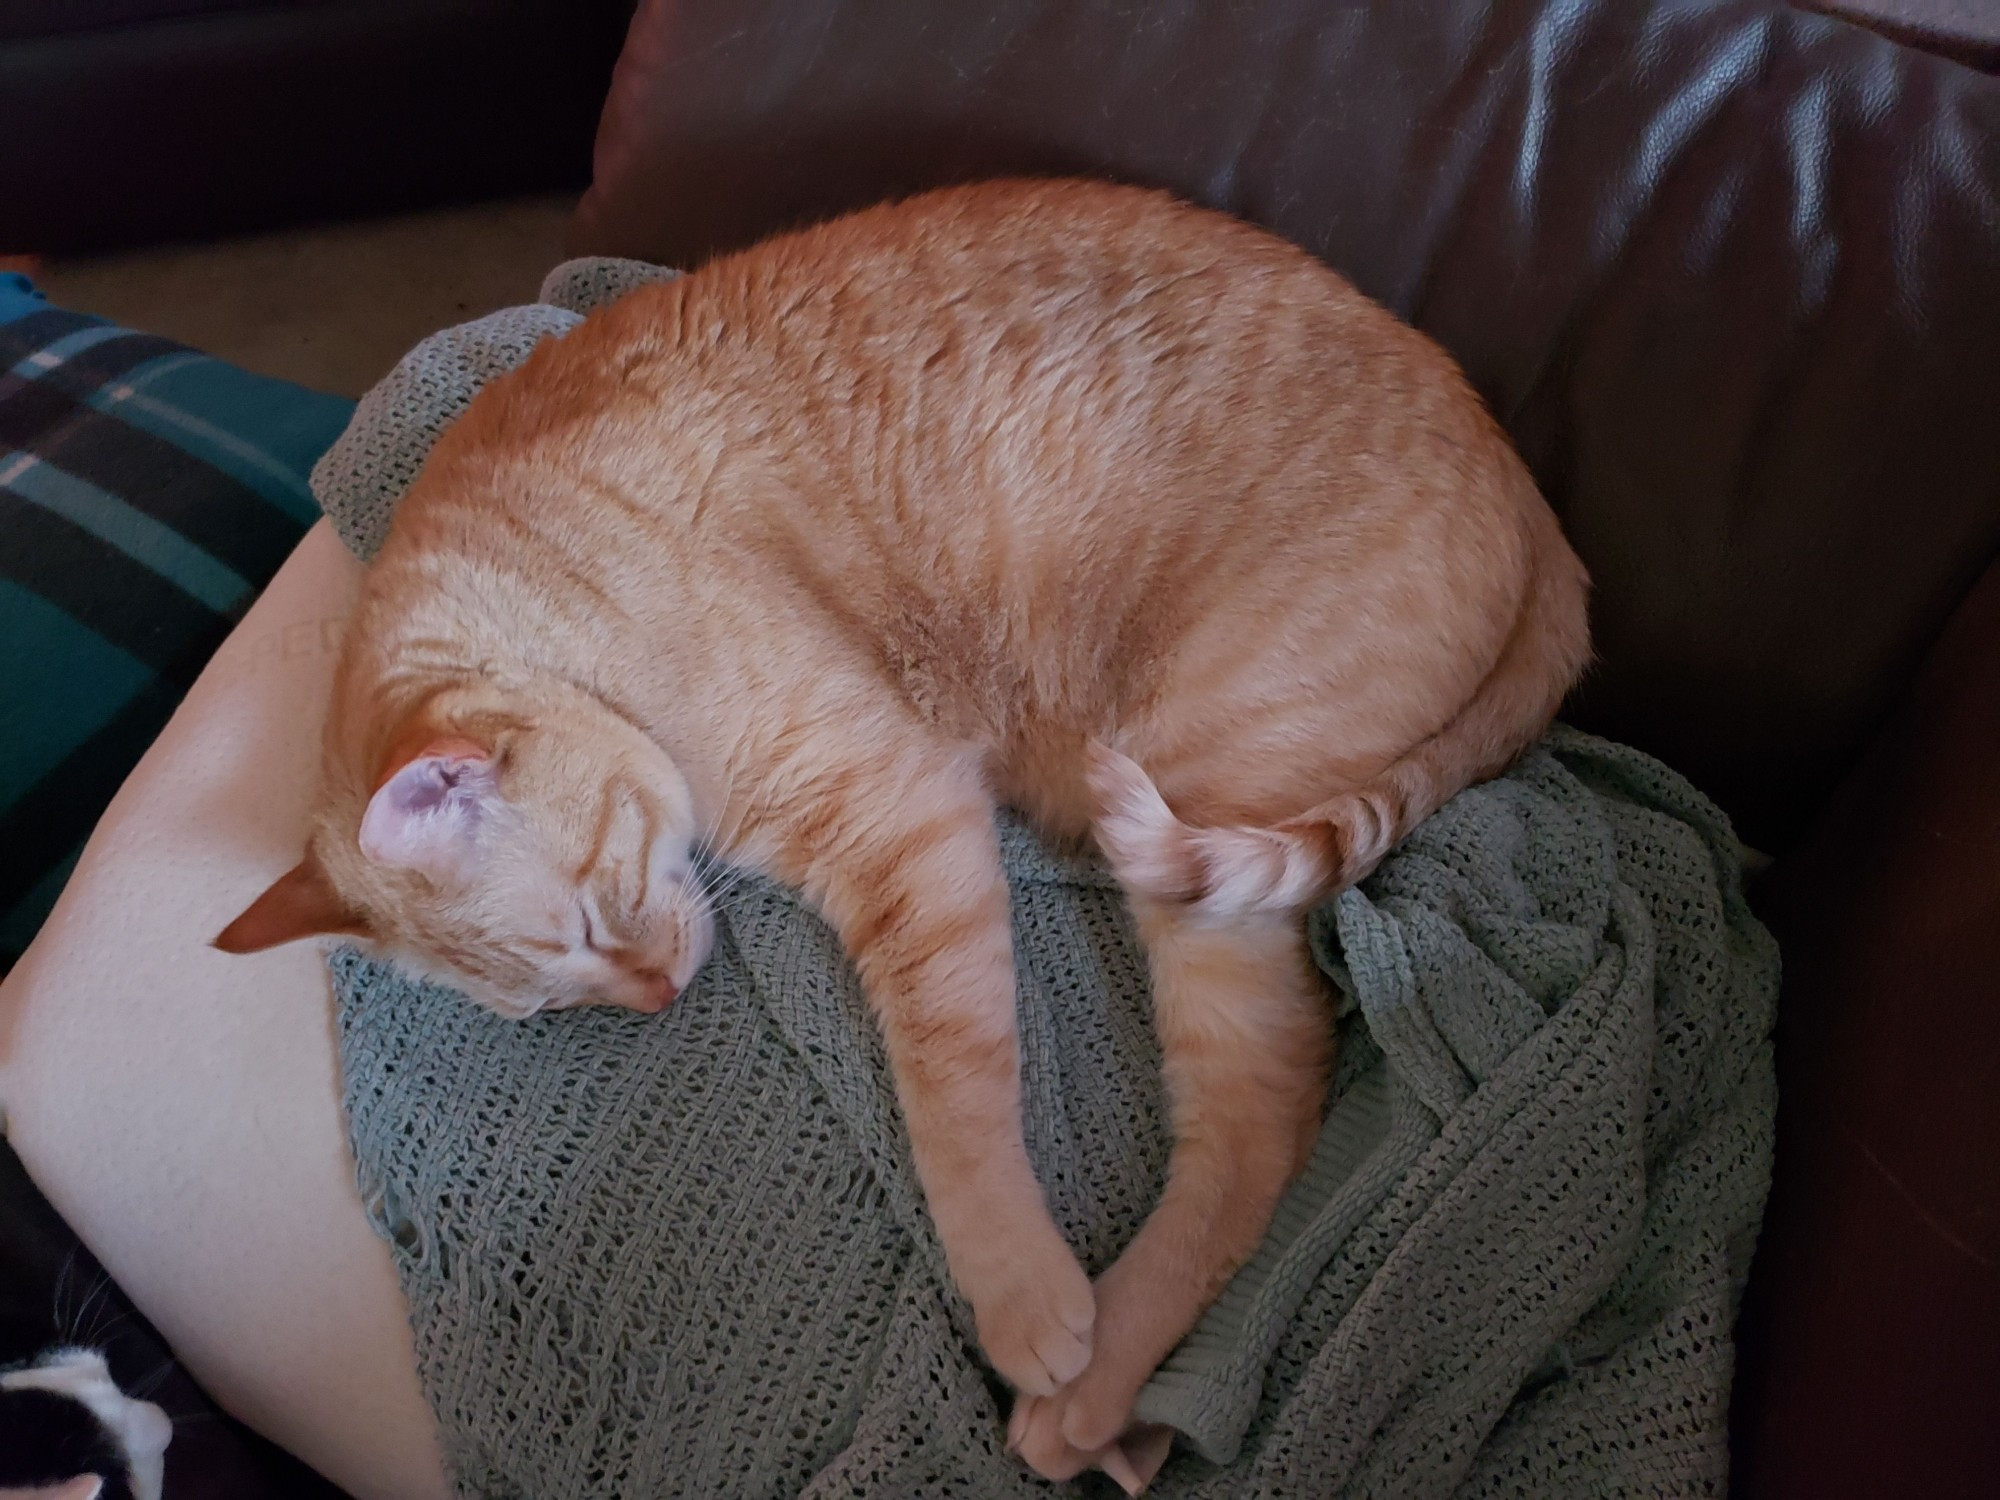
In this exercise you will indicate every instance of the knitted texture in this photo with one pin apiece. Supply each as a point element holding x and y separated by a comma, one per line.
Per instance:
<point>394,425</point>
<point>686,1254</point>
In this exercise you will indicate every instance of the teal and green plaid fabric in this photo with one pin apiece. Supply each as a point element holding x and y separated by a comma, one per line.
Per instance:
<point>147,492</point>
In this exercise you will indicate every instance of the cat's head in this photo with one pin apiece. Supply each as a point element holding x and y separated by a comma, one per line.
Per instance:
<point>66,1430</point>
<point>524,844</point>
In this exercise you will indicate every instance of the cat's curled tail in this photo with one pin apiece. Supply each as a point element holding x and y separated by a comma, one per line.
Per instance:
<point>1221,872</point>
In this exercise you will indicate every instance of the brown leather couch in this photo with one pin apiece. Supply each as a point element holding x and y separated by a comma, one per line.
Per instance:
<point>1730,274</point>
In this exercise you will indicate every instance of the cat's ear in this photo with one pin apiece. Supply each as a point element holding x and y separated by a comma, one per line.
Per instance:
<point>300,903</point>
<point>426,814</point>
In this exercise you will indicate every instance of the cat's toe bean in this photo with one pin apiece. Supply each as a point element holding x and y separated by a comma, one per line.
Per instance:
<point>1138,1457</point>
<point>1064,1354</point>
<point>1037,1332</point>
<point>1034,1433</point>
<point>1017,1421</point>
<point>1096,1411</point>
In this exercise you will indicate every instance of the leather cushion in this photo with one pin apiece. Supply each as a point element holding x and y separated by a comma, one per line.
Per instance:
<point>1724,270</point>
<point>1871,1334</point>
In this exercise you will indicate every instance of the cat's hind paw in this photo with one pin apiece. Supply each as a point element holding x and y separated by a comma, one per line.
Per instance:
<point>1035,1434</point>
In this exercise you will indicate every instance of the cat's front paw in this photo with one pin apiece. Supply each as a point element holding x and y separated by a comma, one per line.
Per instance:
<point>1036,1325</point>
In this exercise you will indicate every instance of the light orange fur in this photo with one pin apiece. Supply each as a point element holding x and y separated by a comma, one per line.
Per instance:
<point>1058,494</point>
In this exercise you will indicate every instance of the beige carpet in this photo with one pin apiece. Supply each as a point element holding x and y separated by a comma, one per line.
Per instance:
<point>331,307</point>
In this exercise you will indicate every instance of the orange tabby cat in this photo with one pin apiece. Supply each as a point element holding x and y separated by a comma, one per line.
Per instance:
<point>1050,493</point>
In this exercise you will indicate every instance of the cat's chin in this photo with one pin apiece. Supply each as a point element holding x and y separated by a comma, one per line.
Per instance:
<point>647,999</point>
<point>507,1007</point>
<point>512,1009</point>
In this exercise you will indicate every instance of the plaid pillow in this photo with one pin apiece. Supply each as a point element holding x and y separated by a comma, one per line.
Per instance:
<point>147,492</point>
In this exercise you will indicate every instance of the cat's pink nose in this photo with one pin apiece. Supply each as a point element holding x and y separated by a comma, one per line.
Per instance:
<point>657,992</point>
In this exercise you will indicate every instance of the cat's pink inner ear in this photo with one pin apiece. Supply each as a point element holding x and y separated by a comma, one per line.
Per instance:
<point>427,812</point>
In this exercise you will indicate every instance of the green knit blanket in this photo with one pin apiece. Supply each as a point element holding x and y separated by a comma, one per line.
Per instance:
<point>686,1255</point>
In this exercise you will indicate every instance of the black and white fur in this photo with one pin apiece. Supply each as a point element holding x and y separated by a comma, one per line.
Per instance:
<point>64,1423</point>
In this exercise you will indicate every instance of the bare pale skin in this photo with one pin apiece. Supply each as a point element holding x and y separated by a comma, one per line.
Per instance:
<point>1060,495</point>
<point>182,1108</point>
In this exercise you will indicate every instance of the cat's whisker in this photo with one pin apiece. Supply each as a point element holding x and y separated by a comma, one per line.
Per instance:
<point>720,877</point>
<point>100,1333</point>
<point>709,845</point>
<point>62,1281</point>
<point>734,876</point>
<point>714,876</point>
<point>151,1382</point>
<point>92,1331</point>
<point>92,1307</point>
<point>714,829</point>
<point>73,1299</point>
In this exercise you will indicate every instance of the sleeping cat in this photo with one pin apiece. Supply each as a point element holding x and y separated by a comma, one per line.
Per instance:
<point>1056,494</point>
<point>68,1433</point>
